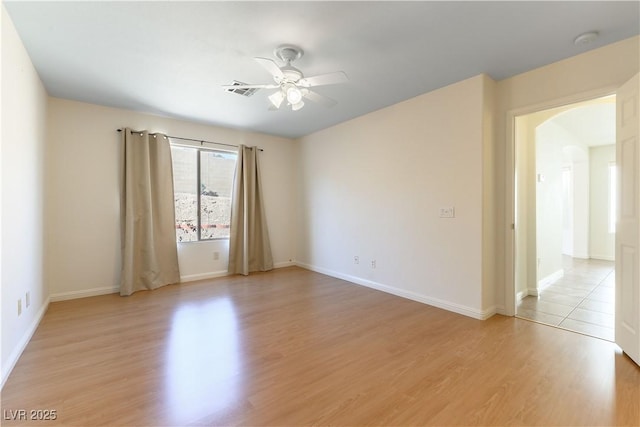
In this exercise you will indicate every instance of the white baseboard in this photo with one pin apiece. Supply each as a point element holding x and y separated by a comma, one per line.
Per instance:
<point>548,280</point>
<point>501,310</point>
<point>436,302</point>
<point>580,256</point>
<point>604,257</point>
<point>62,296</point>
<point>284,264</point>
<point>203,276</point>
<point>223,273</point>
<point>520,295</point>
<point>17,351</point>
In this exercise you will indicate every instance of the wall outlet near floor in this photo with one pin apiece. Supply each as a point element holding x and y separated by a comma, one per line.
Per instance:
<point>216,256</point>
<point>19,307</point>
<point>447,212</point>
<point>373,263</point>
<point>356,259</point>
<point>27,299</point>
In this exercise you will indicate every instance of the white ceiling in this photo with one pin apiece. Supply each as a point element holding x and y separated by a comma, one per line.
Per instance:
<point>170,58</point>
<point>592,124</point>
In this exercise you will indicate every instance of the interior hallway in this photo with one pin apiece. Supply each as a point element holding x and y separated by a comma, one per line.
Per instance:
<point>582,301</point>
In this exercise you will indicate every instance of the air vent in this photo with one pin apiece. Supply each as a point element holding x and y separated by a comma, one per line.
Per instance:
<point>243,92</point>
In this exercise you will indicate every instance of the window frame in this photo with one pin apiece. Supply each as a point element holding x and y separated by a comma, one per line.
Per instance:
<point>199,149</point>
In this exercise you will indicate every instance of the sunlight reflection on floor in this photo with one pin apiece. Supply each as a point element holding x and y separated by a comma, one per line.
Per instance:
<point>202,376</point>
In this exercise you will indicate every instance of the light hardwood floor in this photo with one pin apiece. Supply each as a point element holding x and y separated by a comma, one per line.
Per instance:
<point>292,347</point>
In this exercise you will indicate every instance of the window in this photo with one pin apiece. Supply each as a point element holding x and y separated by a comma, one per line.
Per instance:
<point>612,197</point>
<point>202,181</point>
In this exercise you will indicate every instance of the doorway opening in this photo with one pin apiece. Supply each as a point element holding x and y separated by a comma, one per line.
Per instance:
<point>565,214</point>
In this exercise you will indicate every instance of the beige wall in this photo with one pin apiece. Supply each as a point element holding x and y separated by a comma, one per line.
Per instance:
<point>23,123</point>
<point>83,202</point>
<point>351,191</point>
<point>372,187</point>
<point>490,186</point>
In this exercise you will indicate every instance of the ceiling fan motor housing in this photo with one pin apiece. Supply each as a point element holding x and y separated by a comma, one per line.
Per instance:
<point>291,74</point>
<point>288,53</point>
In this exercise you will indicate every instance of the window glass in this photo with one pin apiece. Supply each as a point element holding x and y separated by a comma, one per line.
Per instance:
<point>216,180</point>
<point>203,181</point>
<point>185,183</point>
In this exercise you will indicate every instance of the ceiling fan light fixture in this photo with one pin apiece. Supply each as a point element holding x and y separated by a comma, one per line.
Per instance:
<point>294,95</point>
<point>290,82</point>
<point>277,98</point>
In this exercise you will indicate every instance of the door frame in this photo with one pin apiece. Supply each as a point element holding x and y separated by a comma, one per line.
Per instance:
<point>510,163</point>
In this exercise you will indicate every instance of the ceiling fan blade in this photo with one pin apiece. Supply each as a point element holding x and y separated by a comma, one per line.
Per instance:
<point>296,107</point>
<point>250,86</point>
<point>324,79</point>
<point>320,99</point>
<point>270,66</point>
<point>276,100</point>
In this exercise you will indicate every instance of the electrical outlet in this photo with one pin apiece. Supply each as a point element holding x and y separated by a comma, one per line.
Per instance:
<point>356,259</point>
<point>19,307</point>
<point>216,256</point>
<point>27,299</point>
<point>373,263</point>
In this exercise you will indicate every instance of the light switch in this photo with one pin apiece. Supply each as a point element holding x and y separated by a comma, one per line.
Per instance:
<point>447,212</point>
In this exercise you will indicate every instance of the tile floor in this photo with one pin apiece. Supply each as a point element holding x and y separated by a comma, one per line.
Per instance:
<point>581,301</point>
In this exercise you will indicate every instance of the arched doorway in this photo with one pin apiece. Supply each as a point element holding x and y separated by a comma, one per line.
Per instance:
<point>564,244</point>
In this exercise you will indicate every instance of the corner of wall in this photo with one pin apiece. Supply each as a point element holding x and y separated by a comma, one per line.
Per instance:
<point>491,212</point>
<point>24,295</point>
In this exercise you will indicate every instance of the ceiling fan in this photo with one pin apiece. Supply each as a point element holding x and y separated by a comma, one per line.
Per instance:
<point>294,87</point>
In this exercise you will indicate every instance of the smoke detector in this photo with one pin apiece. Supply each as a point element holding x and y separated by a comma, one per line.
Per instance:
<point>586,38</point>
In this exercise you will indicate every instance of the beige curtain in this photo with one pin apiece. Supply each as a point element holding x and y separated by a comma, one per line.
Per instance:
<point>249,248</point>
<point>149,251</point>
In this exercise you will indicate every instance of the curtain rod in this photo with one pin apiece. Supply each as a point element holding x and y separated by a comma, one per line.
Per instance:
<point>201,141</point>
